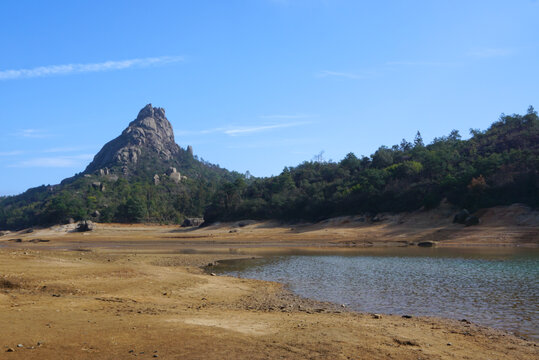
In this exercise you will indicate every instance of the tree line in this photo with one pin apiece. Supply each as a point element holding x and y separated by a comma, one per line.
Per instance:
<point>494,167</point>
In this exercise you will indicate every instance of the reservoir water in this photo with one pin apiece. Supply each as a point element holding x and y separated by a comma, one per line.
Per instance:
<point>491,287</point>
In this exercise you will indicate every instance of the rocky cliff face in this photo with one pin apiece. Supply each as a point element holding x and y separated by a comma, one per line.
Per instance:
<point>149,134</point>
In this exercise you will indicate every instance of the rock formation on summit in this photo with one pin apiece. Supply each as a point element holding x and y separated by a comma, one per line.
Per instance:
<point>149,134</point>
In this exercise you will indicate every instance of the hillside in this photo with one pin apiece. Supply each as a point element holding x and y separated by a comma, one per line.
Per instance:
<point>144,176</point>
<point>141,176</point>
<point>498,166</point>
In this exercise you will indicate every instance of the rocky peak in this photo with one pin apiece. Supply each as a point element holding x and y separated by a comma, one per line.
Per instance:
<point>151,127</point>
<point>150,133</point>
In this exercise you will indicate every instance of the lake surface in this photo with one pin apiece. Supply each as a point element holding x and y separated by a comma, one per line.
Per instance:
<point>492,287</point>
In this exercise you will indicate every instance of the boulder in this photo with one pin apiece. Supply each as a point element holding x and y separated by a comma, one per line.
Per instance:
<point>471,220</point>
<point>156,179</point>
<point>85,225</point>
<point>98,186</point>
<point>461,216</point>
<point>104,171</point>
<point>192,222</point>
<point>244,223</point>
<point>426,243</point>
<point>175,176</point>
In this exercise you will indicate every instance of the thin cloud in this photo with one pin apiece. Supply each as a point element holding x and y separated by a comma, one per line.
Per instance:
<point>490,52</point>
<point>55,162</point>
<point>33,133</point>
<point>421,63</point>
<point>11,153</point>
<point>200,132</point>
<point>255,129</point>
<point>347,75</point>
<point>65,149</point>
<point>243,130</point>
<point>68,69</point>
<point>275,142</point>
<point>297,116</point>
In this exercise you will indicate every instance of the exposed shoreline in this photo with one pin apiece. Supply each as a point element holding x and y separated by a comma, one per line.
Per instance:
<point>122,290</point>
<point>515,225</point>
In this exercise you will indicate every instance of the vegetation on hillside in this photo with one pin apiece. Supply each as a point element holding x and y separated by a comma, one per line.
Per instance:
<point>494,167</point>
<point>130,199</point>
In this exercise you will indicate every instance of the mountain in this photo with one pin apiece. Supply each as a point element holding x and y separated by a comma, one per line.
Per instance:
<point>144,176</point>
<point>149,134</point>
<point>140,176</point>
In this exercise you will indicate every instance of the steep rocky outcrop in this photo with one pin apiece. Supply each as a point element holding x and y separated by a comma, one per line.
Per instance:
<point>149,134</point>
<point>140,176</point>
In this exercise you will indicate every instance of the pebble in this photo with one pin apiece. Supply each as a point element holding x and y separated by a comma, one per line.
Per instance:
<point>376,316</point>
<point>213,274</point>
<point>407,316</point>
<point>449,344</point>
<point>10,350</point>
<point>20,345</point>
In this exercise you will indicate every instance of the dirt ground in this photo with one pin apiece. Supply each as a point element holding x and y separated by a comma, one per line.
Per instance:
<point>125,291</point>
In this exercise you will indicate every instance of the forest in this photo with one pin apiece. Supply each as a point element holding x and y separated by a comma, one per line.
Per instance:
<point>134,198</point>
<point>497,166</point>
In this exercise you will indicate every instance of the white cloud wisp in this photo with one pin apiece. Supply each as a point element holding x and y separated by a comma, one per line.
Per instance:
<point>68,69</point>
<point>55,162</point>
<point>346,75</point>
<point>244,130</point>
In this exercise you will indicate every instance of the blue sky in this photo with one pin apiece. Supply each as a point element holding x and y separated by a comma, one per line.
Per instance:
<point>255,84</point>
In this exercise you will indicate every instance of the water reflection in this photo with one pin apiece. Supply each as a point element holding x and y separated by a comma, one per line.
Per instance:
<point>493,287</point>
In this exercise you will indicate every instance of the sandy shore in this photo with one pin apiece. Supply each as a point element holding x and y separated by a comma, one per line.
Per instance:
<point>124,291</point>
